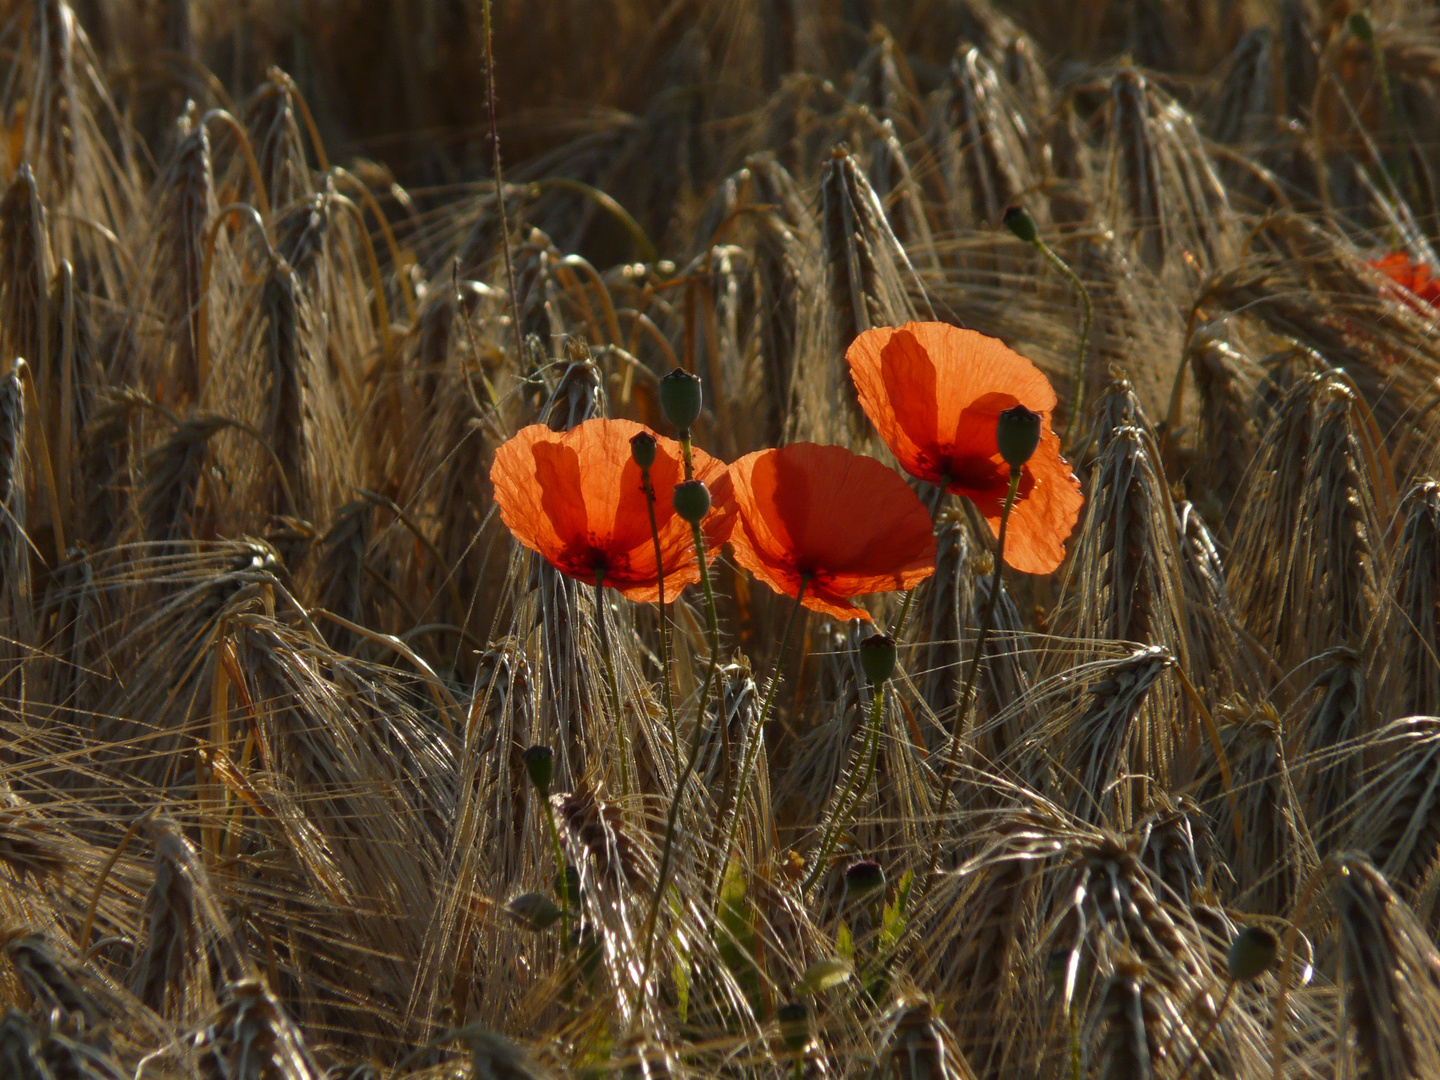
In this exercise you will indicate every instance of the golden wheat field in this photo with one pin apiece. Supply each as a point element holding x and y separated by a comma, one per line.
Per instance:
<point>1038,677</point>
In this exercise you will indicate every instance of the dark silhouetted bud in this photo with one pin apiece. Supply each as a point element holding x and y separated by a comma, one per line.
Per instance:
<point>680,398</point>
<point>794,1021</point>
<point>642,449</point>
<point>540,765</point>
<point>1252,953</point>
<point>1017,433</point>
<point>863,878</point>
<point>1019,222</point>
<point>1361,26</point>
<point>533,910</point>
<point>692,500</point>
<point>877,658</point>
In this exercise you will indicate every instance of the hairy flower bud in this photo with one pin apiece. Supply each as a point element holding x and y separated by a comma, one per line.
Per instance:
<point>1017,433</point>
<point>680,398</point>
<point>692,500</point>
<point>540,765</point>
<point>1019,222</point>
<point>1252,953</point>
<point>642,449</point>
<point>877,658</point>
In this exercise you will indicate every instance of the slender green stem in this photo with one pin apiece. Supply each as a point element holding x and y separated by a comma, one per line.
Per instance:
<point>662,879</point>
<point>1064,268</point>
<point>753,746</point>
<point>867,755</point>
<point>610,680</point>
<point>649,489</point>
<point>564,889</point>
<point>687,456</point>
<point>962,708</point>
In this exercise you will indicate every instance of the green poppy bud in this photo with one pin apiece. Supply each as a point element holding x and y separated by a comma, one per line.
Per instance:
<point>1361,26</point>
<point>642,449</point>
<point>1017,433</point>
<point>533,910</point>
<point>877,658</point>
<point>1019,222</point>
<point>540,765</point>
<point>863,878</point>
<point>1252,953</point>
<point>680,398</point>
<point>794,1021</point>
<point>692,500</point>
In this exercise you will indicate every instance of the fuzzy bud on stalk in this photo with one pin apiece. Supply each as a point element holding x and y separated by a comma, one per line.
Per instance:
<point>863,878</point>
<point>877,658</point>
<point>680,398</point>
<point>1252,953</point>
<point>540,765</point>
<point>642,449</point>
<point>1019,222</point>
<point>1017,433</point>
<point>692,500</point>
<point>794,1020</point>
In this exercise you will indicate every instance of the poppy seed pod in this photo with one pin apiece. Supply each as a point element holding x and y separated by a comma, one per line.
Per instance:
<point>642,449</point>
<point>533,910</point>
<point>1017,434</point>
<point>680,398</point>
<point>1019,222</point>
<point>1252,953</point>
<point>794,1020</point>
<point>692,501</point>
<point>877,658</point>
<point>863,878</point>
<point>540,766</point>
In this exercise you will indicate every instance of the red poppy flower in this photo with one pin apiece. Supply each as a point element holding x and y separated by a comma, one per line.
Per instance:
<point>1413,277</point>
<point>576,498</point>
<point>935,392</point>
<point>842,523</point>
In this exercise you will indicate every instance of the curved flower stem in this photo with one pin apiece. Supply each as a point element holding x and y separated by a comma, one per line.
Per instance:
<point>662,878</point>
<point>1064,268</point>
<point>610,679</point>
<point>649,490</point>
<point>868,754</point>
<point>962,713</point>
<point>753,746</point>
<point>564,882</point>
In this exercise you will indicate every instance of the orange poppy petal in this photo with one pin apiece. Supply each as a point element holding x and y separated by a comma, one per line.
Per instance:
<point>846,522</point>
<point>970,365</point>
<point>576,498</point>
<point>895,380</point>
<point>1041,522</point>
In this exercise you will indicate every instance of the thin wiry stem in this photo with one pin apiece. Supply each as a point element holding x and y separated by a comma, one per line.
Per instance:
<point>962,709</point>
<point>649,490</point>
<point>867,754</point>
<point>613,686</point>
<point>662,878</point>
<point>500,185</point>
<point>752,747</point>
<point>1078,406</point>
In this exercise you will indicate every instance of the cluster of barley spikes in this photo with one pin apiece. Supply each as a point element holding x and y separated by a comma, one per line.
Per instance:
<point>269,662</point>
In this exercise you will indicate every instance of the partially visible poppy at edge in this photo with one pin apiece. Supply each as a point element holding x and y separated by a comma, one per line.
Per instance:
<point>576,498</point>
<point>1411,276</point>
<point>934,393</point>
<point>844,524</point>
